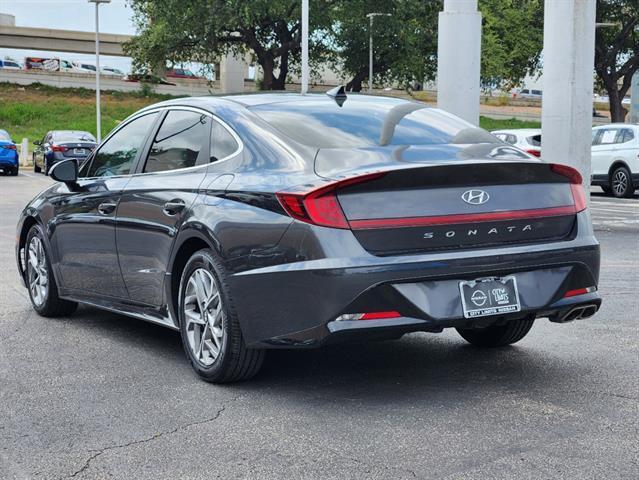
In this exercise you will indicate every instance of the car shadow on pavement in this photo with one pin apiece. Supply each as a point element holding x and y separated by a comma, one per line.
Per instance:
<point>419,365</point>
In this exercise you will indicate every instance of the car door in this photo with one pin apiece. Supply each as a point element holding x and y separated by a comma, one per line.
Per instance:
<point>603,150</point>
<point>38,150</point>
<point>156,200</point>
<point>84,230</point>
<point>627,148</point>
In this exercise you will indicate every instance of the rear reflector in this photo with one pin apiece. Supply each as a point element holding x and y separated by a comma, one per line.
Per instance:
<point>369,316</point>
<point>579,291</point>
<point>319,206</point>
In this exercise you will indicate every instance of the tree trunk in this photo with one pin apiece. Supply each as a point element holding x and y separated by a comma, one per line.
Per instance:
<point>355,85</point>
<point>268,76</point>
<point>617,110</point>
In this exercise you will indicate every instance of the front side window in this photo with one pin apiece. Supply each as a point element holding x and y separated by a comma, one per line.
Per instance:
<point>222,143</point>
<point>118,154</point>
<point>178,142</point>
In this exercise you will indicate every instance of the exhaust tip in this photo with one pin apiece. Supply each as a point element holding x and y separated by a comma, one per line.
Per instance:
<point>588,311</point>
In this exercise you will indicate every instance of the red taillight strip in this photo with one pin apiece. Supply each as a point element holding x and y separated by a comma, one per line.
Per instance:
<point>380,315</point>
<point>576,184</point>
<point>462,218</point>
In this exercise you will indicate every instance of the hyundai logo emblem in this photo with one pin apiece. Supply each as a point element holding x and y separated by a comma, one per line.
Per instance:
<point>475,197</point>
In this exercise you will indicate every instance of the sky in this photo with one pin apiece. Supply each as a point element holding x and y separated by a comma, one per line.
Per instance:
<point>115,17</point>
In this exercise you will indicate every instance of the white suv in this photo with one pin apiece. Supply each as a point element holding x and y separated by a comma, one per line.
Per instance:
<point>615,158</point>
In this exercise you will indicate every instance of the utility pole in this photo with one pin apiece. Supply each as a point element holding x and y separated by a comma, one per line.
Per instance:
<point>97,67</point>
<point>370,17</point>
<point>305,74</point>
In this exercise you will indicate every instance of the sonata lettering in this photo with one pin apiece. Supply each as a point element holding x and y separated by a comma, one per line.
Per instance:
<point>474,232</point>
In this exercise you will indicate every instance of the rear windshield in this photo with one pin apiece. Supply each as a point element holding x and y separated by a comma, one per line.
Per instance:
<point>73,137</point>
<point>364,123</point>
<point>4,136</point>
<point>535,140</point>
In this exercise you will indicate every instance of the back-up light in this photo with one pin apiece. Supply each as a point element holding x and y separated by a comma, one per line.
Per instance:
<point>319,206</point>
<point>369,316</point>
<point>576,184</point>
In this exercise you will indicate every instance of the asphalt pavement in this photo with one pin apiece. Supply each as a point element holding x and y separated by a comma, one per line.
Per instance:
<point>99,395</point>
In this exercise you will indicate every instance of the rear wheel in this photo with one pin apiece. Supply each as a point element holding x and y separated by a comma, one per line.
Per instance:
<point>14,172</point>
<point>210,330</point>
<point>621,183</point>
<point>498,335</point>
<point>41,283</point>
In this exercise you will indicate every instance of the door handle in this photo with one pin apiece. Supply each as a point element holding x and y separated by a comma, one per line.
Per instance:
<point>107,208</point>
<point>173,207</point>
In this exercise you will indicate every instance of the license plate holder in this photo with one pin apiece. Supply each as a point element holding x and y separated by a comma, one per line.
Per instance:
<point>489,296</point>
<point>79,151</point>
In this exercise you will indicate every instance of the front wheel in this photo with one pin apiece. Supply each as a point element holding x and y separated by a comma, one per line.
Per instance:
<point>498,335</point>
<point>621,183</point>
<point>209,327</point>
<point>43,289</point>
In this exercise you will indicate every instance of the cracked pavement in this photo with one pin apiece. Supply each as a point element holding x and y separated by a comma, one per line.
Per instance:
<point>98,395</point>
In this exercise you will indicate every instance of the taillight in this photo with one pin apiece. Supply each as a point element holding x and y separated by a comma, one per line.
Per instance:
<point>536,153</point>
<point>8,147</point>
<point>58,148</point>
<point>369,316</point>
<point>320,206</point>
<point>579,291</point>
<point>576,185</point>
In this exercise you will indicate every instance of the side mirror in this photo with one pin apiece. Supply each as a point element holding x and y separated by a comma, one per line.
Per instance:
<point>36,142</point>
<point>65,171</point>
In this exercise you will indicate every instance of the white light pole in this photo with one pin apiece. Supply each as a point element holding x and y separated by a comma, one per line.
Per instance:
<point>97,67</point>
<point>371,16</point>
<point>305,74</point>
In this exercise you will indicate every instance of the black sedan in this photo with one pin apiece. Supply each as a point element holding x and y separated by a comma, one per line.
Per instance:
<point>59,145</point>
<point>290,221</point>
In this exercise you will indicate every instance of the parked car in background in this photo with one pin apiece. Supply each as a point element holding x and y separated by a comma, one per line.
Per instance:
<point>146,78</point>
<point>182,73</point>
<point>272,220</point>
<point>60,145</point>
<point>615,158</point>
<point>10,65</point>
<point>528,139</point>
<point>527,93</point>
<point>112,72</point>
<point>9,160</point>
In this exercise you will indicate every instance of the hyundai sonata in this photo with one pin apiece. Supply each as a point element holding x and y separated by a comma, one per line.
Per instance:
<point>290,221</point>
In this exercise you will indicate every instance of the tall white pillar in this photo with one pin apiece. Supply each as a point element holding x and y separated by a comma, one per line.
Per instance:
<point>233,70</point>
<point>459,59</point>
<point>569,57</point>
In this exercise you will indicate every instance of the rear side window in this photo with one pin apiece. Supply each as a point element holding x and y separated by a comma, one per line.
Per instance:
<point>535,140</point>
<point>117,155</point>
<point>178,142</point>
<point>608,137</point>
<point>222,143</point>
<point>626,135</point>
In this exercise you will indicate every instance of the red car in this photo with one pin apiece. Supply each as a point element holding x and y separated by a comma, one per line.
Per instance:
<point>183,73</point>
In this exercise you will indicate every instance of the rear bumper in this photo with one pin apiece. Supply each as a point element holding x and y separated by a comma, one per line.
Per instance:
<point>296,304</point>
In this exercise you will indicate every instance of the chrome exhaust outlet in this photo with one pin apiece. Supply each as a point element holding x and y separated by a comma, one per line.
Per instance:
<point>588,311</point>
<point>578,313</point>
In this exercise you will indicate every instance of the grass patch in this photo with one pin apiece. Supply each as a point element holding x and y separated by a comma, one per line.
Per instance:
<point>508,123</point>
<point>31,111</point>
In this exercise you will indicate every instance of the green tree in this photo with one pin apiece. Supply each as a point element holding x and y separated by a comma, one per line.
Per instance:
<point>204,30</point>
<point>617,50</point>
<point>405,43</point>
<point>512,40</point>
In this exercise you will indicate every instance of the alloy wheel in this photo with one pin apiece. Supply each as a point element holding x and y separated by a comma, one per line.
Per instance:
<point>37,273</point>
<point>204,316</point>
<point>620,182</point>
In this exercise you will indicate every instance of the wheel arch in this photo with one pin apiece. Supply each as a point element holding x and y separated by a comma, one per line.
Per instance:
<point>186,245</point>
<point>616,164</point>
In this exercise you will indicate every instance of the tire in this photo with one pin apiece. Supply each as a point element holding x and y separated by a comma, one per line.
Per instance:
<point>14,172</point>
<point>233,361</point>
<point>46,301</point>
<point>621,183</point>
<point>36,169</point>
<point>607,190</point>
<point>498,335</point>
